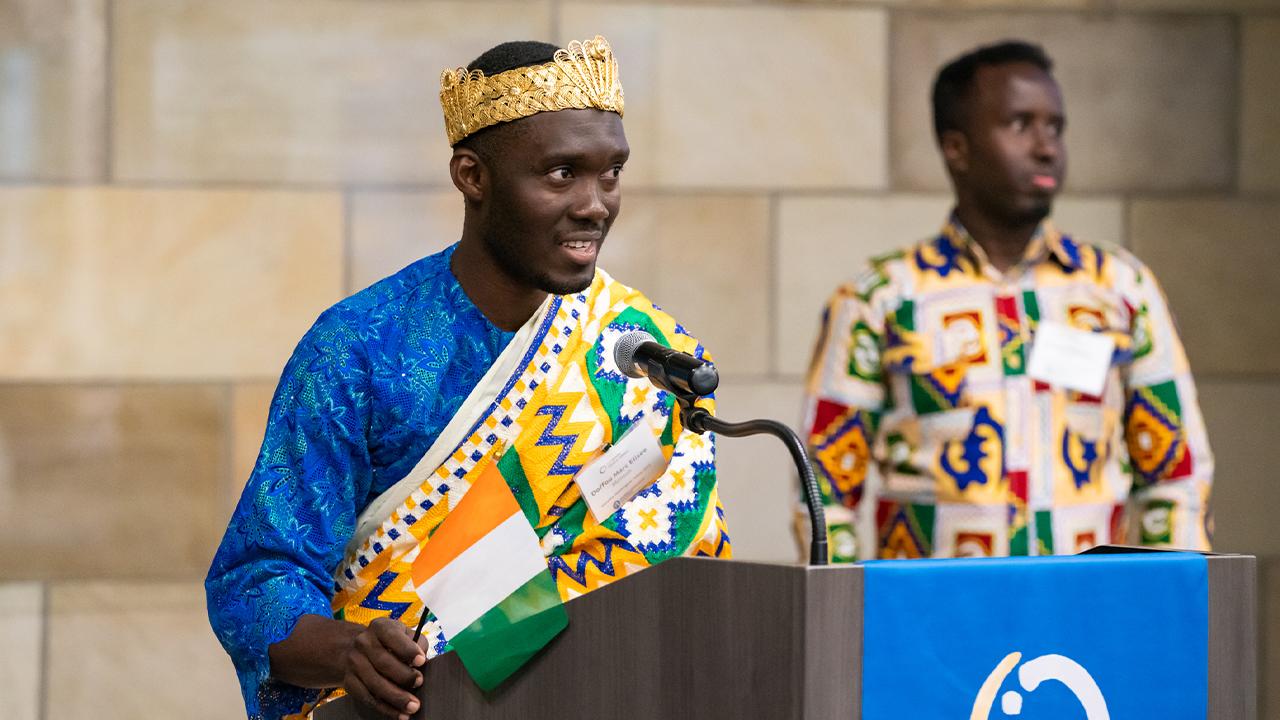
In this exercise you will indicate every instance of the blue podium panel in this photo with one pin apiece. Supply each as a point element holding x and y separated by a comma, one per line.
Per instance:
<point>1115,637</point>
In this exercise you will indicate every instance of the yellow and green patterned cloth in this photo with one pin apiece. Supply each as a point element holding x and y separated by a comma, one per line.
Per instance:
<point>929,438</point>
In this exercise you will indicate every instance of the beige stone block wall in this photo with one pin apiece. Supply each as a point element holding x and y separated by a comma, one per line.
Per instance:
<point>121,282</point>
<point>757,483</point>
<point>1216,261</point>
<point>1259,106</point>
<point>53,112</point>
<point>1240,416</point>
<point>108,481</point>
<point>749,97</point>
<point>294,91</point>
<point>1198,6</point>
<point>21,635</point>
<point>390,230</point>
<point>185,185</point>
<point>123,651</point>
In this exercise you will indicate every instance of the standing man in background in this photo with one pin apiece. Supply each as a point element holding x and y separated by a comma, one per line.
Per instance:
<point>1002,388</point>
<point>495,355</point>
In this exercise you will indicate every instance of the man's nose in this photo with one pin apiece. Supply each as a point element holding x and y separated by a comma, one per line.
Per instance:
<point>590,203</point>
<point>1048,146</point>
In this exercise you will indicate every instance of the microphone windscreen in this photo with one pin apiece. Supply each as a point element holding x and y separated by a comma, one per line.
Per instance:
<point>624,352</point>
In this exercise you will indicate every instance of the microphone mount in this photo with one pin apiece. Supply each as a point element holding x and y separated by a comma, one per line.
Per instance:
<point>689,379</point>
<point>700,420</point>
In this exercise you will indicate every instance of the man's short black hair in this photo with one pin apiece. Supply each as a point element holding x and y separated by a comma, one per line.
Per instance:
<point>498,59</point>
<point>952,87</point>
<point>512,55</point>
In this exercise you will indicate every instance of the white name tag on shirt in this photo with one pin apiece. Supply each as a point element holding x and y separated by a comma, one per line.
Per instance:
<point>1066,357</point>
<point>631,465</point>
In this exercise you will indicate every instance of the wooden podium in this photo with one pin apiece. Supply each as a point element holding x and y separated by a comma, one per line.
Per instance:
<point>711,639</point>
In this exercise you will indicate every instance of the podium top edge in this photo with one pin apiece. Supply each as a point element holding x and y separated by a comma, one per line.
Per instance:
<point>798,566</point>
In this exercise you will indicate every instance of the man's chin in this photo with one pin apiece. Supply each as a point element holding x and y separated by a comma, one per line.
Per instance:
<point>567,285</point>
<point>1035,212</point>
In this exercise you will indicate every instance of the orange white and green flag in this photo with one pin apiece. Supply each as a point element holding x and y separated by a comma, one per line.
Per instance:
<point>482,573</point>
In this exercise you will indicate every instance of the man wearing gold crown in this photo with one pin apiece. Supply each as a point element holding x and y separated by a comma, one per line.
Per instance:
<point>495,352</point>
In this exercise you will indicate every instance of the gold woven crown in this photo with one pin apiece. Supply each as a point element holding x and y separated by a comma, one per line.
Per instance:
<point>582,75</point>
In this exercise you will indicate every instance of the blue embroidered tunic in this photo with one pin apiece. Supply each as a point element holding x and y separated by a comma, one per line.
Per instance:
<point>367,391</point>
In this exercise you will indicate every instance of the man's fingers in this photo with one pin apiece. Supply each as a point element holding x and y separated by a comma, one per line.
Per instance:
<point>392,667</point>
<point>397,638</point>
<point>381,688</point>
<point>353,685</point>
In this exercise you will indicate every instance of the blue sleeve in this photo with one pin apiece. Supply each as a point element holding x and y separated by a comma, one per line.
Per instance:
<point>298,509</point>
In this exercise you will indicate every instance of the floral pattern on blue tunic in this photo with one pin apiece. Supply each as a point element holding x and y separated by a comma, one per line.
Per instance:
<point>368,389</point>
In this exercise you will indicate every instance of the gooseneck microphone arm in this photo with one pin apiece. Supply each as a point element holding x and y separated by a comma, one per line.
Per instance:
<point>699,420</point>
<point>688,378</point>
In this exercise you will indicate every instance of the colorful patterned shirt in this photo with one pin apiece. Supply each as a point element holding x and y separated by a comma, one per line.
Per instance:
<point>367,391</point>
<point>929,438</point>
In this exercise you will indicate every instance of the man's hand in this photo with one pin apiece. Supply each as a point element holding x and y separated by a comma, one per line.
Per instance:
<point>379,665</point>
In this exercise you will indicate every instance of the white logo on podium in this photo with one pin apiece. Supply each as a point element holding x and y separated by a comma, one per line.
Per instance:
<point>1033,672</point>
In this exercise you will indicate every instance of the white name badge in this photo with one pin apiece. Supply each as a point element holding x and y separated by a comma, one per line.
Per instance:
<point>631,465</point>
<point>1077,359</point>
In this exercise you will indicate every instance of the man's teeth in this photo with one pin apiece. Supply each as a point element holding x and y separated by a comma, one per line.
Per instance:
<point>578,245</point>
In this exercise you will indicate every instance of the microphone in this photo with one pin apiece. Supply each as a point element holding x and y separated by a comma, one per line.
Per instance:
<point>638,355</point>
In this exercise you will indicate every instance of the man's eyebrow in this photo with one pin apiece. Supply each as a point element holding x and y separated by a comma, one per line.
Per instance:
<point>567,156</point>
<point>576,157</point>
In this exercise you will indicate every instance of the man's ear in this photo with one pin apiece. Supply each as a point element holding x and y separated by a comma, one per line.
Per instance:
<point>955,151</point>
<point>469,173</point>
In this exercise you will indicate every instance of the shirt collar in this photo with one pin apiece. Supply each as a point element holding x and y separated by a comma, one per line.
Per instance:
<point>1046,241</point>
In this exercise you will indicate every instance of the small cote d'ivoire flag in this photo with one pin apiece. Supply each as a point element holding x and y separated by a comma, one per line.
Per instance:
<point>484,576</point>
